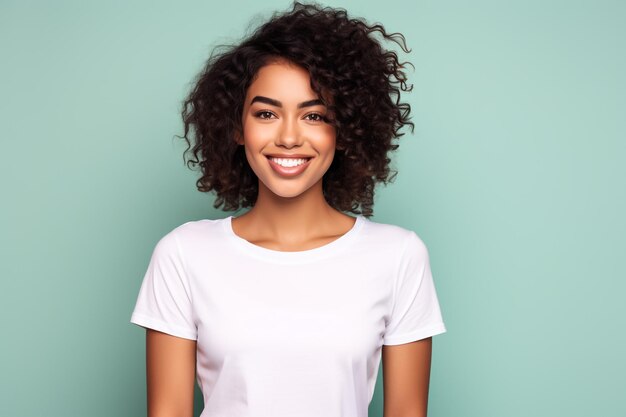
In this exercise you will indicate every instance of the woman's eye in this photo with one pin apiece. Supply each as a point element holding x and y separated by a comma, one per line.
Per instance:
<point>316,117</point>
<point>264,114</point>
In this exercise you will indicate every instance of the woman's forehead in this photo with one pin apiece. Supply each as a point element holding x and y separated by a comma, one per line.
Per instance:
<point>288,84</point>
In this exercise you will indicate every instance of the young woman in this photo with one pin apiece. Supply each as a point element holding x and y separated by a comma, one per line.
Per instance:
<point>287,309</point>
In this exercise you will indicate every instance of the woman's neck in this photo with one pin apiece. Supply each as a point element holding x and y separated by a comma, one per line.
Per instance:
<point>301,221</point>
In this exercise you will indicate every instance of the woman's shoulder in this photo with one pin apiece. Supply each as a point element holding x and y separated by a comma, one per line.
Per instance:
<point>389,230</point>
<point>195,231</point>
<point>401,236</point>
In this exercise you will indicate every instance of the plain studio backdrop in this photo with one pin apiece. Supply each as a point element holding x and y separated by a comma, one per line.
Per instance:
<point>514,178</point>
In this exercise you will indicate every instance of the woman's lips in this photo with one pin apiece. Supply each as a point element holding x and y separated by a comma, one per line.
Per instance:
<point>289,171</point>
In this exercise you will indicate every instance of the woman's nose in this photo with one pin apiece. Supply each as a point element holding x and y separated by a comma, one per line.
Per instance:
<point>289,135</point>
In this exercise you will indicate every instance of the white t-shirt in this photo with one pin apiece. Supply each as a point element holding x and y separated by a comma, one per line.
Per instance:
<point>284,334</point>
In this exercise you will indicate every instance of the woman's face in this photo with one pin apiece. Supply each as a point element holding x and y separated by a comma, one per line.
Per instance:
<point>288,144</point>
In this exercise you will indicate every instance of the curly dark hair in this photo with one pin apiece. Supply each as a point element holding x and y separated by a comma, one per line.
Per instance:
<point>343,59</point>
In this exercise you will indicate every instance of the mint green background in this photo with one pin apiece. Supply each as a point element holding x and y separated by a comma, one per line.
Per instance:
<point>514,178</point>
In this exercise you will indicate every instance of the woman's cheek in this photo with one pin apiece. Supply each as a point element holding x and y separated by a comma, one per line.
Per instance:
<point>260,132</point>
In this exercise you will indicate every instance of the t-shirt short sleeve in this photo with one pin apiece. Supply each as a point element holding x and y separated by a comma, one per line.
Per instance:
<point>164,302</point>
<point>415,313</point>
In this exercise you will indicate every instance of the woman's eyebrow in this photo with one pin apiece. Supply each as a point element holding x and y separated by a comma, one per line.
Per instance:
<point>277,103</point>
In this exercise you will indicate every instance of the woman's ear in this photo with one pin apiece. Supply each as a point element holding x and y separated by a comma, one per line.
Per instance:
<point>238,137</point>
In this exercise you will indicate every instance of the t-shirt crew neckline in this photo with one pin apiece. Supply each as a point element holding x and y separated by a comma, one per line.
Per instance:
<point>273,255</point>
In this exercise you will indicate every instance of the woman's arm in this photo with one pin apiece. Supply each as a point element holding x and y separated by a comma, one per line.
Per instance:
<point>406,376</point>
<point>171,372</point>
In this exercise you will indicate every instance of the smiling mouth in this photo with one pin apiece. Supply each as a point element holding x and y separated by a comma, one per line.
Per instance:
<point>289,167</point>
<point>289,162</point>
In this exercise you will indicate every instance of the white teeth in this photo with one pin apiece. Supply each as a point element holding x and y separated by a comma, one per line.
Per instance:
<point>289,162</point>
